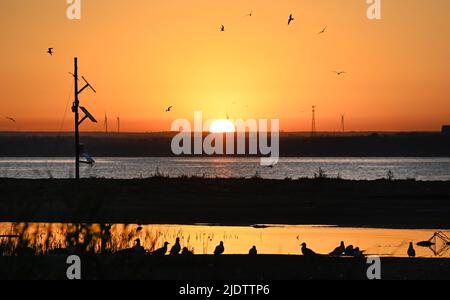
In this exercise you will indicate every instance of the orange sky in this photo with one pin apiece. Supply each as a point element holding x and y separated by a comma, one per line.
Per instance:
<point>144,55</point>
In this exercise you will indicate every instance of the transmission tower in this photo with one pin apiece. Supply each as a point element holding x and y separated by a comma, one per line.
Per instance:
<point>313,127</point>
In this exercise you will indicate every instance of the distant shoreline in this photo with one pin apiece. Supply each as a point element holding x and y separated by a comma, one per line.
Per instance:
<point>230,202</point>
<point>291,145</point>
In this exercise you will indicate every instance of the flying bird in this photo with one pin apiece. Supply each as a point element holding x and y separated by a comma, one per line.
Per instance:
<point>222,28</point>
<point>323,31</point>
<point>250,14</point>
<point>169,109</point>
<point>11,119</point>
<point>291,18</point>
<point>50,51</point>
<point>339,73</point>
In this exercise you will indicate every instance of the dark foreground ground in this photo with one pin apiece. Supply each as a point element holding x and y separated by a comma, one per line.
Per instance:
<point>222,268</point>
<point>394,204</point>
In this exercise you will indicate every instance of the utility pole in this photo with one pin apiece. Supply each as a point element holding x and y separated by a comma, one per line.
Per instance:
<point>75,109</point>
<point>106,123</point>
<point>76,105</point>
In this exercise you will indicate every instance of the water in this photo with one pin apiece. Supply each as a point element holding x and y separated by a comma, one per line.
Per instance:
<point>276,239</point>
<point>425,169</point>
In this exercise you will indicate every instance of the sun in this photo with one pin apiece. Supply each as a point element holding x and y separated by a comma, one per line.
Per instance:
<point>222,126</point>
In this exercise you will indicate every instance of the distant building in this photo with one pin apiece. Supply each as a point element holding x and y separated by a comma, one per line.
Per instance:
<point>446,129</point>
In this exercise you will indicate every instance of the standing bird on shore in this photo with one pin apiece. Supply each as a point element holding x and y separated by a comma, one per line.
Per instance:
<point>253,251</point>
<point>291,19</point>
<point>186,252</point>
<point>162,251</point>
<point>219,249</point>
<point>411,251</point>
<point>176,248</point>
<point>138,249</point>
<point>307,252</point>
<point>339,250</point>
<point>350,251</point>
<point>50,51</point>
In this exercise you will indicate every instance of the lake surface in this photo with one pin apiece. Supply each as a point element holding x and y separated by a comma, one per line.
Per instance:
<point>425,169</point>
<point>275,239</point>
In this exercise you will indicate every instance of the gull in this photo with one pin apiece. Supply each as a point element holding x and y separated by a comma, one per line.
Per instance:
<point>169,109</point>
<point>50,51</point>
<point>176,248</point>
<point>219,249</point>
<point>307,252</point>
<point>323,31</point>
<point>291,18</point>
<point>253,251</point>
<point>11,119</point>
<point>339,73</point>
<point>187,252</point>
<point>339,250</point>
<point>411,251</point>
<point>162,251</point>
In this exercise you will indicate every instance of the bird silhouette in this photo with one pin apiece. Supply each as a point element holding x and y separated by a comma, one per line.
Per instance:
<point>411,251</point>
<point>339,73</point>
<point>291,19</point>
<point>250,14</point>
<point>11,119</point>
<point>138,249</point>
<point>323,31</point>
<point>307,252</point>
<point>176,248</point>
<point>169,109</point>
<point>186,252</point>
<point>161,251</point>
<point>219,249</point>
<point>339,250</point>
<point>253,251</point>
<point>50,51</point>
<point>350,251</point>
<point>222,28</point>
